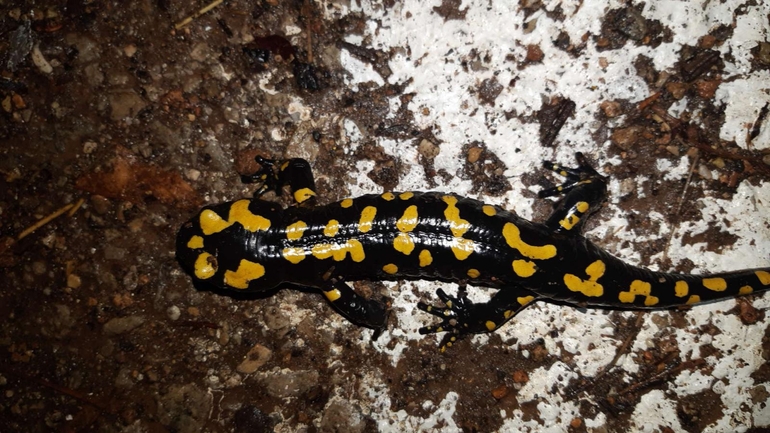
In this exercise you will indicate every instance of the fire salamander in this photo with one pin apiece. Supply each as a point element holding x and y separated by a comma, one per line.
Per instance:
<point>255,245</point>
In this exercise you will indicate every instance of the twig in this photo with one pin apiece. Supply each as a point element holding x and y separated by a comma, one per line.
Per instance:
<point>44,221</point>
<point>197,15</point>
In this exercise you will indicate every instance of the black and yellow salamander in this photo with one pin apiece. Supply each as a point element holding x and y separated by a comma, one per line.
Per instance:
<point>255,245</point>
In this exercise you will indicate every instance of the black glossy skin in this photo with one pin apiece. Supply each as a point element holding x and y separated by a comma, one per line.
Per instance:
<point>559,266</point>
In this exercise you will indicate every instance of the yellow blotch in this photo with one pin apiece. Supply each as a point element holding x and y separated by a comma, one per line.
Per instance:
<point>524,300</point>
<point>294,255</point>
<point>246,272</point>
<point>639,288</point>
<point>582,206</point>
<point>211,222</point>
<point>332,228</point>
<point>488,210</point>
<point>715,284</point>
<point>205,266</point>
<point>294,231</point>
<point>425,258</point>
<point>745,290</point>
<point>588,287</point>
<point>569,222</point>
<point>240,213</point>
<point>473,273</point>
<point>388,196</point>
<point>367,218</point>
<point>764,277</point>
<point>490,325</point>
<point>406,195</point>
<point>512,236</point>
<point>693,299</point>
<point>303,194</point>
<point>333,294</point>
<point>390,268</point>
<point>681,289</point>
<point>458,225</point>
<point>408,220</point>
<point>339,251</point>
<point>403,243</point>
<point>346,203</point>
<point>195,242</point>
<point>508,314</point>
<point>524,268</point>
<point>462,248</point>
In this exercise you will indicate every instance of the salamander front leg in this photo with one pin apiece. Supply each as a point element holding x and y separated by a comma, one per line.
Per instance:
<point>359,310</point>
<point>273,175</point>
<point>584,190</point>
<point>460,317</point>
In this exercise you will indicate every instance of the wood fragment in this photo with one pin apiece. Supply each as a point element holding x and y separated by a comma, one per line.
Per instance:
<point>44,221</point>
<point>197,15</point>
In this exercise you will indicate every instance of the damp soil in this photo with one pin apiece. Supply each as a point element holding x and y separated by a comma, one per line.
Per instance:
<point>130,125</point>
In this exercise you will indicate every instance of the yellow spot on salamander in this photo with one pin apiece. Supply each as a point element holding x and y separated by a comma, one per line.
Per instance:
<point>339,251</point>
<point>408,220</point>
<point>490,325</point>
<point>512,236</point>
<point>588,287</point>
<point>745,290</point>
<point>764,277</point>
<point>457,225</point>
<point>293,255</point>
<point>582,206</point>
<point>390,268</point>
<point>403,243</point>
<point>425,258</point>
<point>681,289</point>
<point>693,299</point>
<point>333,294</point>
<point>569,222</point>
<point>488,210</point>
<point>388,196</point>
<point>332,228</point>
<point>294,231</point>
<point>642,288</point>
<point>462,248</point>
<point>346,203</point>
<point>303,194</point>
<point>524,300</point>
<point>406,195</point>
<point>246,272</point>
<point>715,284</point>
<point>195,242</point>
<point>524,268</point>
<point>240,213</point>
<point>367,218</point>
<point>473,273</point>
<point>508,314</point>
<point>211,222</point>
<point>205,266</point>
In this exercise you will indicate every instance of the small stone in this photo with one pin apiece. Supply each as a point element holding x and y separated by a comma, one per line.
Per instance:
<point>120,325</point>
<point>474,153</point>
<point>73,281</point>
<point>707,89</point>
<point>704,172</point>
<point>173,312</point>
<point>39,60</point>
<point>625,138</point>
<point>534,54</point>
<point>677,90</point>
<point>193,311</point>
<point>129,50</point>
<point>674,150</point>
<point>89,147</point>
<point>255,358</point>
<point>427,149</point>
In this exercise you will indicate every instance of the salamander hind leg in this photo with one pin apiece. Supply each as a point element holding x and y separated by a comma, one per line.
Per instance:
<point>460,316</point>
<point>369,313</point>
<point>584,190</point>
<point>274,174</point>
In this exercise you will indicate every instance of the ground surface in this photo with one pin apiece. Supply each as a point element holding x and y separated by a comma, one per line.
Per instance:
<point>108,103</point>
